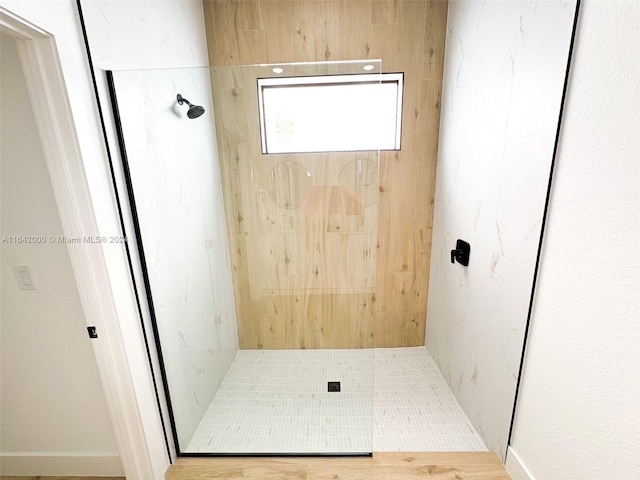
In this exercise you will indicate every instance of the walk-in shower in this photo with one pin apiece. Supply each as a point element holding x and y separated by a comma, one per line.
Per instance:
<point>260,253</point>
<point>285,237</point>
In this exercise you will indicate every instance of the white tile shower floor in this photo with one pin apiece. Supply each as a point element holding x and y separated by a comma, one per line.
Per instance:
<point>391,399</point>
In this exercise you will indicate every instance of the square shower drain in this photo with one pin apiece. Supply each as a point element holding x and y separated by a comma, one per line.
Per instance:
<point>333,387</point>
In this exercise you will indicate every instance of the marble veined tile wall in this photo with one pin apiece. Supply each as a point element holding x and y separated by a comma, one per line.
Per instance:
<point>177,188</point>
<point>504,70</point>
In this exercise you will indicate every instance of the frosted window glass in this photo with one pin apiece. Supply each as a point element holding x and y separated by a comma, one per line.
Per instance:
<point>331,113</point>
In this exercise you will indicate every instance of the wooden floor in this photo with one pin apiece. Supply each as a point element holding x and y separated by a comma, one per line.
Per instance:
<point>61,478</point>
<point>382,466</point>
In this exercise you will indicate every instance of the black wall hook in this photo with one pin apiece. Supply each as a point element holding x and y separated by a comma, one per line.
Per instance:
<point>461,253</point>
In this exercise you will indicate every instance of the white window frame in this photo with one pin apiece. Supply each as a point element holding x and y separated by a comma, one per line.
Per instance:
<point>323,80</point>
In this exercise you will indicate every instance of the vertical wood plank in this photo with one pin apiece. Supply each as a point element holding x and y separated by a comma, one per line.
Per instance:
<point>386,11</point>
<point>428,132</point>
<point>333,25</point>
<point>310,39</point>
<point>252,46</point>
<point>224,35</point>
<point>435,31</point>
<point>355,36</point>
<point>248,15</point>
<point>384,47</point>
<point>278,15</point>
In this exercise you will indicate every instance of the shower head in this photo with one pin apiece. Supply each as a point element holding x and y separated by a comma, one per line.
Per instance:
<point>194,110</point>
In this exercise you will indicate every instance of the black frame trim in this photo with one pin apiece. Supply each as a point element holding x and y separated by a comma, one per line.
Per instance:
<point>276,455</point>
<point>544,220</point>
<point>143,261</point>
<point>122,224</point>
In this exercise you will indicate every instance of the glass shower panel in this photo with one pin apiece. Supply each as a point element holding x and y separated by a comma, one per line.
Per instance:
<point>172,168</point>
<point>302,226</point>
<point>260,268</point>
<point>302,234</point>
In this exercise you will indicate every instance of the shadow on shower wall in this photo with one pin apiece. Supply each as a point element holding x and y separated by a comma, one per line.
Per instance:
<point>242,251</point>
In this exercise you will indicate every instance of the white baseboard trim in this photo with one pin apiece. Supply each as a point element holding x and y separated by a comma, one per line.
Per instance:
<point>96,464</point>
<point>515,468</point>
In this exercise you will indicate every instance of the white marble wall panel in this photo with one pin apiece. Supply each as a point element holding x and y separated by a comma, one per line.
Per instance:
<point>146,33</point>
<point>504,70</point>
<point>177,188</point>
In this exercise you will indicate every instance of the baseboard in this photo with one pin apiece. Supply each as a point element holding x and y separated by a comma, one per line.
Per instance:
<point>97,464</point>
<point>515,468</point>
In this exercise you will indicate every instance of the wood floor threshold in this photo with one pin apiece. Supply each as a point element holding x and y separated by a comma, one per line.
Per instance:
<point>382,466</point>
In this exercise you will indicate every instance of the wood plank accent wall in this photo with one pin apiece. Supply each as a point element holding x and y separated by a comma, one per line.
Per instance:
<point>409,37</point>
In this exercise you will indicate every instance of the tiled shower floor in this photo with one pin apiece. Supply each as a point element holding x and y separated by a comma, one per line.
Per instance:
<point>276,401</point>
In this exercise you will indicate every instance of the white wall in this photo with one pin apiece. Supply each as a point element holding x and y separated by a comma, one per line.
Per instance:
<point>504,70</point>
<point>177,187</point>
<point>578,412</point>
<point>54,416</point>
<point>124,35</point>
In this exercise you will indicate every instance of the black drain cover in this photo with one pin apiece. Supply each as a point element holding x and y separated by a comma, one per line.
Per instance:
<point>333,387</point>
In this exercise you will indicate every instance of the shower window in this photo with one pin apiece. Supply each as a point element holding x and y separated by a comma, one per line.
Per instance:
<point>330,113</point>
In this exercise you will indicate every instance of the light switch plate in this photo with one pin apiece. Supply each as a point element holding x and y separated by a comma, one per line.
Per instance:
<point>24,277</point>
